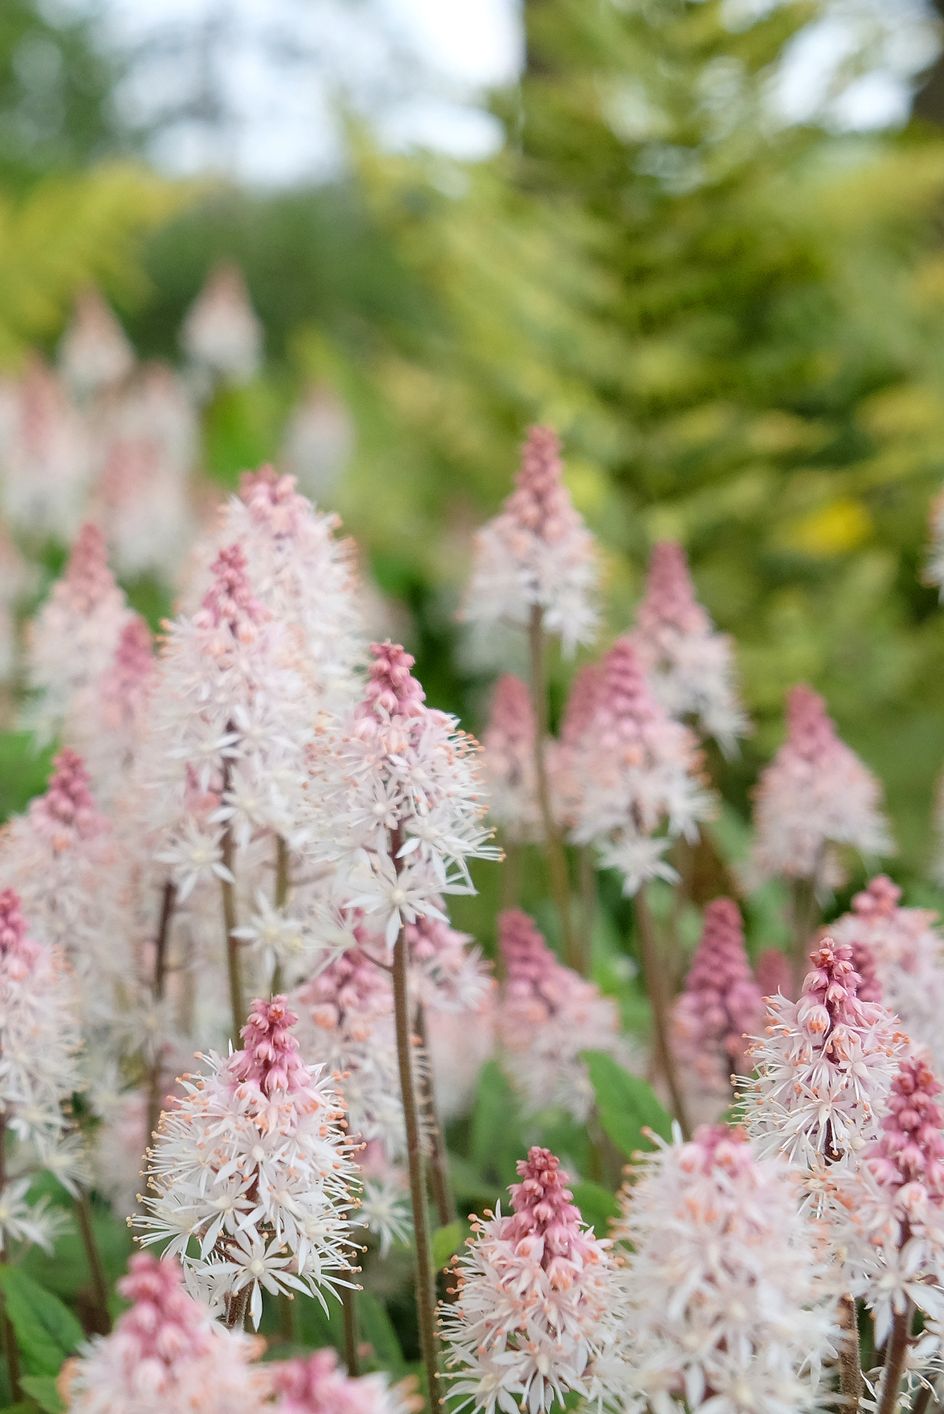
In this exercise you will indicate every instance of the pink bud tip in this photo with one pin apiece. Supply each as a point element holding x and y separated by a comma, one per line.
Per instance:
<point>270,1056</point>
<point>670,594</point>
<point>392,690</point>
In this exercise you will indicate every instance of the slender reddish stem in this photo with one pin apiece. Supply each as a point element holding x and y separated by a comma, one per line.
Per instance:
<point>654,977</point>
<point>556,856</point>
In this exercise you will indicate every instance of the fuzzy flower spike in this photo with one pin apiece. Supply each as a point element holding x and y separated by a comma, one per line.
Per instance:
<point>39,1041</point>
<point>689,664</point>
<point>398,802</point>
<point>536,1312</point>
<point>318,1385</point>
<point>729,1303</point>
<point>536,554</point>
<point>890,1223</point>
<point>547,1015</point>
<point>251,1172</point>
<point>823,1071</point>
<point>165,1354</point>
<point>815,798</point>
<point>720,1005</point>
<point>638,772</point>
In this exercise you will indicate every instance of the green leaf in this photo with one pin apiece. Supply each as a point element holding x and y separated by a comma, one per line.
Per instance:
<point>494,1143</point>
<point>627,1106</point>
<point>377,1329</point>
<point>447,1241</point>
<point>597,1205</point>
<point>46,1331</point>
<point>42,1389</point>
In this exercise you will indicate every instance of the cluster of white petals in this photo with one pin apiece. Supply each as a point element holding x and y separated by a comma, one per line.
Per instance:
<point>822,1073</point>
<point>637,773</point>
<point>536,555</point>
<point>729,1302</point>
<point>251,1175</point>
<point>814,799</point>
<point>689,664</point>
<point>221,334</point>
<point>536,1313</point>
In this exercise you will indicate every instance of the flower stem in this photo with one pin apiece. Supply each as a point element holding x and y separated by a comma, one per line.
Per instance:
<point>850,1366</point>
<point>654,977</point>
<point>83,1210</point>
<point>425,1283</point>
<point>923,1400</point>
<point>10,1348</point>
<point>282,885</point>
<point>804,921</point>
<point>349,1308</point>
<point>230,918</point>
<point>895,1359</point>
<point>236,1307</point>
<point>168,900</point>
<point>556,857</point>
<point>439,1159</point>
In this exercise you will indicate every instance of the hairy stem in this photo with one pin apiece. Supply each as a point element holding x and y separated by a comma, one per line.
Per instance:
<point>850,1366</point>
<point>804,921</point>
<point>654,978</point>
<point>83,1210</point>
<point>10,1347</point>
<point>438,1159</point>
<point>230,919</point>
<point>282,885</point>
<point>556,857</point>
<point>895,1359</point>
<point>349,1308</point>
<point>236,1307</point>
<point>168,900</point>
<point>425,1280</point>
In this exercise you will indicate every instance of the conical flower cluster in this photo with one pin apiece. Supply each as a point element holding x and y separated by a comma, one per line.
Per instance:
<point>94,353</point>
<point>547,1015</point>
<point>318,1385</point>
<point>39,1044</point>
<point>536,1311</point>
<point>720,1006</point>
<point>74,637</point>
<point>638,774</point>
<point>536,555</point>
<point>729,1304</point>
<point>815,799</point>
<point>906,953</point>
<point>508,744</point>
<point>251,1172</point>
<point>690,666</point>
<point>890,1219</point>
<point>165,1354</point>
<point>221,334</point>
<point>822,1072</point>
<point>398,803</point>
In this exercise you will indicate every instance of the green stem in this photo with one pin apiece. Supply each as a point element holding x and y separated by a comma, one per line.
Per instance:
<point>230,918</point>
<point>654,978</point>
<point>556,856</point>
<point>425,1281</point>
<point>282,885</point>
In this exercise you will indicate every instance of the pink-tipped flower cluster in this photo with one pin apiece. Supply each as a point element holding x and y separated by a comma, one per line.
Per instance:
<point>39,1045</point>
<point>690,666</point>
<point>536,556</point>
<point>318,1385</point>
<point>814,800</point>
<point>720,1006</point>
<point>905,952</point>
<point>637,773</point>
<point>822,1072</point>
<point>165,1353</point>
<point>397,801</point>
<point>536,1312</point>
<point>251,1175</point>
<point>728,1301</point>
<point>508,763</point>
<point>221,334</point>
<point>547,1016</point>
